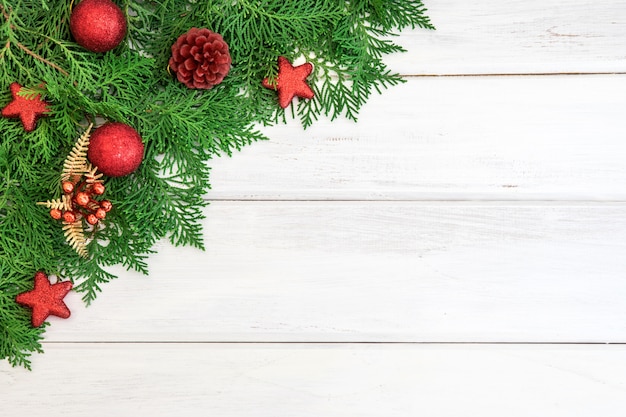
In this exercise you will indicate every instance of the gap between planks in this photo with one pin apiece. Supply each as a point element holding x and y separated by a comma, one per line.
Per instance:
<point>512,74</point>
<point>313,343</point>
<point>428,202</point>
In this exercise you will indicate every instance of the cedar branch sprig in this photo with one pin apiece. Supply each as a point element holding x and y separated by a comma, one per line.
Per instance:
<point>7,17</point>
<point>182,129</point>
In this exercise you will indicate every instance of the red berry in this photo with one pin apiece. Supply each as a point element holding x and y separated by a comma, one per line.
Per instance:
<point>101,213</point>
<point>98,188</point>
<point>106,205</point>
<point>67,186</point>
<point>56,214</point>
<point>69,217</point>
<point>82,198</point>
<point>92,219</point>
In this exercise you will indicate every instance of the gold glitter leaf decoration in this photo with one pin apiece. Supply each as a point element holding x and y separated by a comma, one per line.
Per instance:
<point>75,237</point>
<point>76,162</point>
<point>64,203</point>
<point>92,175</point>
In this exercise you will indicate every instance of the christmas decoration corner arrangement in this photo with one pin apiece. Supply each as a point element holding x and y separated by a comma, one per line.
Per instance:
<point>112,111</point>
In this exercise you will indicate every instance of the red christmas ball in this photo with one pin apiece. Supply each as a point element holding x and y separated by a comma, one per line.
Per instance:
<point>116,149</point>
<point>98,25</point>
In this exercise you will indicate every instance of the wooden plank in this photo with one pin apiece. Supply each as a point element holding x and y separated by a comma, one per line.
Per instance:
<point>502,138</point>
<point>376,271</point>
<point>319,380</point>
<point>517,36</point>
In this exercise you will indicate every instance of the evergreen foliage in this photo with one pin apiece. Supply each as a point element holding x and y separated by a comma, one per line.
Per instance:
<point>183,129</point>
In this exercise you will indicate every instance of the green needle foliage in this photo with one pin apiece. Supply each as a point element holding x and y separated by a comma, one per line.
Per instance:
<point>182,129</point>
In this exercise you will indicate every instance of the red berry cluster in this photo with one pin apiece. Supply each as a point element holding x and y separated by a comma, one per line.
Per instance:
<point>81,198</point>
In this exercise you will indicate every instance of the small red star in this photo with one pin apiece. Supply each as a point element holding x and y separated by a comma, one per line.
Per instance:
<point>46,299</point>
<point>291,82</point>
<point>27,109</point>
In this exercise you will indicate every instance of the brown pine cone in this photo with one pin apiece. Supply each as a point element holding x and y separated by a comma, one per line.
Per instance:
<point>200,58</point>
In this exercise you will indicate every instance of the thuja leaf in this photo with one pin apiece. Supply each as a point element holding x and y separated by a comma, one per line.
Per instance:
<point>182,129</point>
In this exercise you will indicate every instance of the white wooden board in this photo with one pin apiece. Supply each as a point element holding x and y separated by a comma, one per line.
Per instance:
<point>377,271</point>
<point>75,380</point>
<point>502,138</point>
<point>517,37</point>
<point>467,208</point>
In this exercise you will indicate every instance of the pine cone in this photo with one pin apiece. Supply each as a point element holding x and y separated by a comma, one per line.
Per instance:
<point>200,58</point>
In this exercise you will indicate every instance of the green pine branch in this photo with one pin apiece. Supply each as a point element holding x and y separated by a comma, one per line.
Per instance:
<point>182,129</point>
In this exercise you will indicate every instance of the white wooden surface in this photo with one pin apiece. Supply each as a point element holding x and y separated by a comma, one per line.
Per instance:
<point>460,251</point>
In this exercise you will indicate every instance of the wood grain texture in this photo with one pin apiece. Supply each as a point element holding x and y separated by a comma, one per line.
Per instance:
<point>517,37</point>
<point>319,380</point>
<point>492,138</point>
<point>386,271</point>
<point>468,208</point>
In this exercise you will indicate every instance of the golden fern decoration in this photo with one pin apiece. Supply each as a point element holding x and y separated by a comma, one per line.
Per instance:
<point>64,203</point>
<point>75,237</point>
<point>91,174</point>
<point>76,162</point>
<point>82,184</point>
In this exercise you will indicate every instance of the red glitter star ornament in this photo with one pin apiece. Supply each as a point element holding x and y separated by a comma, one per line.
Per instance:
<point>46,299</point>
<point>291,82</point>
<point>26,108</point>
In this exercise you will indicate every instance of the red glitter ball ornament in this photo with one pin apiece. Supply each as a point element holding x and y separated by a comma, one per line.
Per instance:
<point>46,299</point>
<point>116,149</point>
<point>27,109</point>
<point>200,58</point>
<point>98,25</point>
